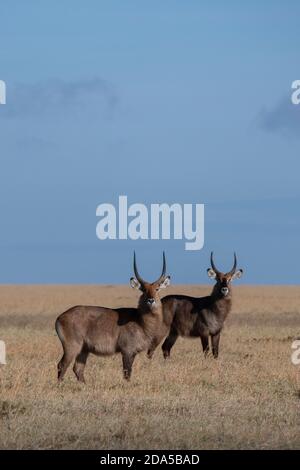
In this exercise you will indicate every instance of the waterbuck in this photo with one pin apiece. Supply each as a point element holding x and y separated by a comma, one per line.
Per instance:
<point>200,317</point>
<point>105,331</point>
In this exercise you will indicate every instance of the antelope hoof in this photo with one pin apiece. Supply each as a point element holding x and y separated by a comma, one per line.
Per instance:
<point>126,375</point>
<point>166,354</point>
<point>150,354</point>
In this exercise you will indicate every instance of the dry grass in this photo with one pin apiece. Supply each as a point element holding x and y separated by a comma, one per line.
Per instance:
<point>249,398</point>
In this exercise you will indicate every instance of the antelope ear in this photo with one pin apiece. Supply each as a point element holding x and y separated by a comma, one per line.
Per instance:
<point>237,275</point>
<point>211,273</point>
<point>134,283</point>
<point>165,283</point>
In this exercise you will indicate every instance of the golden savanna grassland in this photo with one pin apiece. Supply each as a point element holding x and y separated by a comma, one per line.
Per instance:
<point>248,398</point>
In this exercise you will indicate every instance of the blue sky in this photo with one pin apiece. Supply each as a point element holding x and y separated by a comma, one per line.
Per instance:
<point>167,101</point>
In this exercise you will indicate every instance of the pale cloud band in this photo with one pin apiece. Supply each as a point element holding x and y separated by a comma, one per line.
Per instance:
<point>49,98</point>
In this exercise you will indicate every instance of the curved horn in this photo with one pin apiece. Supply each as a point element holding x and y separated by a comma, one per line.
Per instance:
<point>163,273</point>
<point>136,273</point>
<point>234,266</point>
<point>213,264</point>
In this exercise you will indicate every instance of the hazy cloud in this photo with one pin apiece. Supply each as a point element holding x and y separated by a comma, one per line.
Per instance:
<point>53,97</point>
<point>284,117</point>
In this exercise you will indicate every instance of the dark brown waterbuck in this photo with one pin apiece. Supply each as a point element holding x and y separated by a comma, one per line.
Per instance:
<point>202,317</point>
<point>105,331</point>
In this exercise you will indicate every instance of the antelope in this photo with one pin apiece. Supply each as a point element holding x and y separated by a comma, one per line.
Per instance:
<point>105,331</point>
<point>202,317</point>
